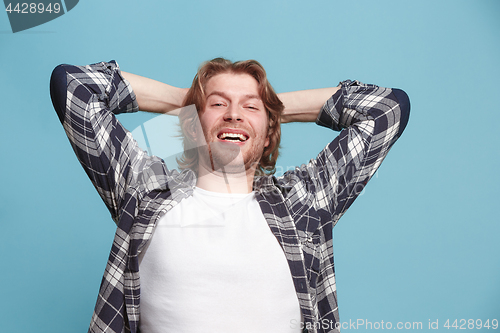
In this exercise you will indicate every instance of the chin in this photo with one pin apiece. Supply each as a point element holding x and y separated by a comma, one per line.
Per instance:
<point>229,158</point>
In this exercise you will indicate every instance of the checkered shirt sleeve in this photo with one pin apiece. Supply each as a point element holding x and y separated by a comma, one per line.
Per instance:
<point>86,99</point>
<point>371,119</point>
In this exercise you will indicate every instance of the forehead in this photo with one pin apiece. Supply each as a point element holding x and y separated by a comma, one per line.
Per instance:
<point>232,84</point>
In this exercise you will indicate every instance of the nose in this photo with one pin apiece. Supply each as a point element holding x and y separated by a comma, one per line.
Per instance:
<point>233,114</point>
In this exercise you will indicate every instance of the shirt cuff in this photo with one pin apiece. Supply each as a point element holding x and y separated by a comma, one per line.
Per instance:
<point>329,114</point>
<point>121,97</point>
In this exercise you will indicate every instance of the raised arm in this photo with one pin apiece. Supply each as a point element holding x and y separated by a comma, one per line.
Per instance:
<point>370,119</point>
<point>86,99</point>
<point>304,105</point>
<point>155,96</point>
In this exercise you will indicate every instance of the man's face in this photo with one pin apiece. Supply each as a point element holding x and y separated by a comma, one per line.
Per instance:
<point>234,120</point>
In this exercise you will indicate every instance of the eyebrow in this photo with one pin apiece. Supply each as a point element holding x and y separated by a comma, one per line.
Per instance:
<point>224,95</point>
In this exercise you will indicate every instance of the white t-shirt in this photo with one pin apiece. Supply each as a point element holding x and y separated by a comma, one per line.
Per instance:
<point>213,265</point>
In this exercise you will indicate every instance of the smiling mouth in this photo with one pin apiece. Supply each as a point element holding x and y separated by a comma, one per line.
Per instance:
<point>232,137</point>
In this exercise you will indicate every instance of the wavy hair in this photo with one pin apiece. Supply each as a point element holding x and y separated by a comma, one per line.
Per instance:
<point>196,96</point>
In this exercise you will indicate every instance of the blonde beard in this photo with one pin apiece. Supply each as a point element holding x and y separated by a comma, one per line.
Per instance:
<point>228,158</point>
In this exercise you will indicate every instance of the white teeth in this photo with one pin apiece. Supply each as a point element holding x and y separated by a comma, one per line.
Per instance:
<point>232,137</point>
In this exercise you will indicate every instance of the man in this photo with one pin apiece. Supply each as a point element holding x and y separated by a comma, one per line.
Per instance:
<point>222,245</point>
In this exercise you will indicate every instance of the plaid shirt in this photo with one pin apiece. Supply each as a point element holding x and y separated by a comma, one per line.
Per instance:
<point>301,207</point>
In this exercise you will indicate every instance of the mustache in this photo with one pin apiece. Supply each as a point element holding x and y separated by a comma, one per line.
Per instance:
<point>215,130</point>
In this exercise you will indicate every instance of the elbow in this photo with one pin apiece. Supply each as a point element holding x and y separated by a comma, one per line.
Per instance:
<point>404,106</point>
<point>58,90</point>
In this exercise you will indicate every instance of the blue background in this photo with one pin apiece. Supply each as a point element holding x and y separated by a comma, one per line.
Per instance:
<point>420,244</point>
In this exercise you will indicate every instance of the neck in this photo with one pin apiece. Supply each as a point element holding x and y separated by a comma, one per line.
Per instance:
<point>225,182</point>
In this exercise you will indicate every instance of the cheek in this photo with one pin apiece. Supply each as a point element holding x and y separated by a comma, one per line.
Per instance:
<point>266,134</point>
<point>263,132</point>
<point>206,123</point>
<point>262,135</point>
